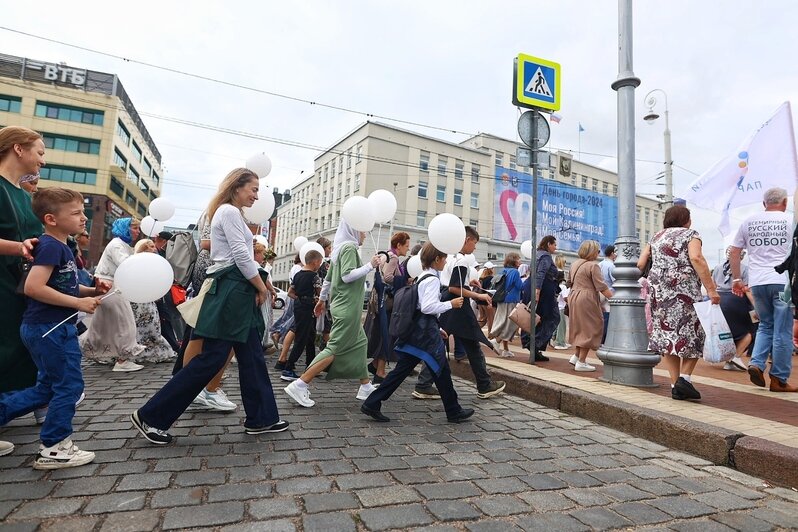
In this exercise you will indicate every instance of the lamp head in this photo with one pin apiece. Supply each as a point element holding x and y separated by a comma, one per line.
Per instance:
<point>651,117</point>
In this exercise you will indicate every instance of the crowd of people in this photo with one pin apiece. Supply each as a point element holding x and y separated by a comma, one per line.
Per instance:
<point>409,321</point>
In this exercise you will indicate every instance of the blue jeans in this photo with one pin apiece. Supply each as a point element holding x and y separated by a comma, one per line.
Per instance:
<point>256,389</point>
<point>774,336</point>
<point>59,380</point>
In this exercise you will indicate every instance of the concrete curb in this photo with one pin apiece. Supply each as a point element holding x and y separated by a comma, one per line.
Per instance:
<point>771,461</point>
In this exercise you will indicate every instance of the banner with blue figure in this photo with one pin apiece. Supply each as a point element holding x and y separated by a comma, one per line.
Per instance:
<point>569,213</point>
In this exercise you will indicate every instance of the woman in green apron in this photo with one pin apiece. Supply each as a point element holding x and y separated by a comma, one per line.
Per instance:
<point>344,357</point>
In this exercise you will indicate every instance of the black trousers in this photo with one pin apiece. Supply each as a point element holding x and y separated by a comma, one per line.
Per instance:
<point>304,337</point>
<point>475,359</point>
<point>404,367</point>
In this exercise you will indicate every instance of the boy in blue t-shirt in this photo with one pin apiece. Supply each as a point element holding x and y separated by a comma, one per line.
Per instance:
<point>53,294</point>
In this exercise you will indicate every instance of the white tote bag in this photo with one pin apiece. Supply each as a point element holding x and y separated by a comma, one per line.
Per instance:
<point>719,344</point>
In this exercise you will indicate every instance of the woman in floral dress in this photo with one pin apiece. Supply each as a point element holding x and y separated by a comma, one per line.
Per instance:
<point>148,326</point>
<point>678,269</point>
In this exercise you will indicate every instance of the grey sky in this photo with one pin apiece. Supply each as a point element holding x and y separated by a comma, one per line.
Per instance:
<point>726,66</point>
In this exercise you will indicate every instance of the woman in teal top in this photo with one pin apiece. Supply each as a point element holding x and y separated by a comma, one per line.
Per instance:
<point>21,154</point>
<point>344,357</point>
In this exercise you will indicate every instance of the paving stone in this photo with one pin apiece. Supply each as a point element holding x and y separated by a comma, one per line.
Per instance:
<point>551,521</point>
<point>85,486</point>
<point>86,470</point>
<point>691,485</point>
<point>281,471</point>
<point>420,476</point>
<point>444,510</point>
<point>239,492</point>
<point>169,498</point>
<point>380,464</point>
<point>656,487</point>
<point>200,478</point>
<point>49,507</point>
<point>28,526</point>
<point>452,473</point>
<point>465,458</point>
<point>274,525</point>
<point>546,501</point>
<point>624,493</point>
<point>491,526</point>
<point>144,481</point>
<point>681,507</point>
<point>301,486</point>
<point>600,518</point>
<point>543,482</point>
<point>247,474</point>
<point>640,513</point>
<point>329,502</point>
<point>395,517</point>
<point>178,464</point>
<point>699,525</point>
<point>70,524</point>
<point>586,497</point>
<point>501,505</point>
<point>116,502</point>
<point>27,491</point>
<point>6,507</point>
<point>363,480</point>
<point>123,468</point>
<point>724,501</point>
<point>340,522</point>
<point>335,467</point>
<point>275,507</point>
<point>204,515</point>
<point>775,517</point>
<point>142,520</point>
<point>501,485</point>
<point>742,521</point>
<point>389,495</point>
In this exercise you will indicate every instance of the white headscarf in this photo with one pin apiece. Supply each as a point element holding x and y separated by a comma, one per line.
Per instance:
<point>344,235</point>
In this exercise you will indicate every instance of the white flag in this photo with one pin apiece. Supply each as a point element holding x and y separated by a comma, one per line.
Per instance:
<point>766,159</point>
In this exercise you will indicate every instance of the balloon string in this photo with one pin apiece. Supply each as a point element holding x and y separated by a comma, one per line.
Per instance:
<point>76,313</point>
<point>379,233</point>
<point>373,242</point>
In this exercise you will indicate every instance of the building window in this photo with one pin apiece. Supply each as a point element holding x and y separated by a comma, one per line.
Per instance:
<point>475,200</point>
<point>499,159</point>
<point>637,216</point>
<point>573,179</point>
<point>132,175</point>
<point>359,154</point>
<point>338,193</point>
<point>120,160</point>
<point>614,190</point>
<point>422,189</point>
<point>69,113</point>
<point>348,185</point>
<point>584,182</point>
<point>10,104</point>
<point>123,133</point>
<point>648,237</point>
<point>647,215</point>
<point>442,165</point>
<point>595,185</point>
<point>512,162</point>
<point>153,195</point>
<point>341,165</point>
<point>130,199</point>
<point>349,159</point>
<point>68,174</point>
<point>473,223</point>
<point>142,210</point>
<point>605,188</point>
<point>357,182</point>
<point>147,167</point>
<point>144,187</point>
<point>136,151</point>
<point>421,218</point>
<point>475,173</point>
<point>423,161</point>
<point>441,194</point>
<point>332,167</point>
<point>458,169</point>
<point>73,144</point>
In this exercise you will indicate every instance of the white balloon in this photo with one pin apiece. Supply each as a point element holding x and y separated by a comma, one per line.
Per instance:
<point>144,277</point>
<point>260,164</point>
<point>260,239</point>
<point>414,268</point>
<point>262,209</point>
<point>310,246</point>
<point>526,249</point>
<point>161,209</point>
<point>151,227</point>
<point>299,242</point>
<point>447,233</point>
<point>384,205</point>
<point>358,213</point>
<point>470,260</point>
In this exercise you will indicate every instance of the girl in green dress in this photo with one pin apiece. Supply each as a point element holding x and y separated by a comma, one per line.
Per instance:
<point>21,154</point>
<point>344,357</point>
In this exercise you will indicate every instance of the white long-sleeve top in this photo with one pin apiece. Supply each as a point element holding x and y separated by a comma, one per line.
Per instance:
<point>231,242</point>
<point>429,294</point>
<point>350,277</point>
<point>113,255</point>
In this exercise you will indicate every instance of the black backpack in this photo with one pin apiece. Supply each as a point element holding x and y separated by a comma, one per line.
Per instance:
<point>405,307</point>
<point>499,284</point>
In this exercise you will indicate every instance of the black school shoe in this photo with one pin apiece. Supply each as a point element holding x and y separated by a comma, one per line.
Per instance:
<point>684,390</point>
<point>153,435</point>
<point>540,357</point>
<point>279,366</point>
<point>276,427</point>
<point>461,416</point>
<point>374,414</point>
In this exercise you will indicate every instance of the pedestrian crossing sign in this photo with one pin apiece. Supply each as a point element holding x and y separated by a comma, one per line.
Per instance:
<point>536,83</point>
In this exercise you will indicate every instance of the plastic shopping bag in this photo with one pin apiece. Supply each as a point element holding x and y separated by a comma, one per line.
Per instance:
<point>719,344</point>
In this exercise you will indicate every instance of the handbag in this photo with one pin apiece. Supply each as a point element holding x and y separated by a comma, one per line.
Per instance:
<point>719,343</point>
<point>190,309</point>
<point>178,294</point>
<point>521,315</point>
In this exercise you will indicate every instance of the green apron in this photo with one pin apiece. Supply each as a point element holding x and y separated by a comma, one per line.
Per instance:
<point>229,311</point>
<point>17,370</point>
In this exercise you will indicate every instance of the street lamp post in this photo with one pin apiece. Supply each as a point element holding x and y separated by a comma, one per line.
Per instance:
<point>625,353</point>
<point>650,118</point>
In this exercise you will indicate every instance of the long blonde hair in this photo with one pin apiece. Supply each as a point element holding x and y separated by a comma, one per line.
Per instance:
<point>232,182</point>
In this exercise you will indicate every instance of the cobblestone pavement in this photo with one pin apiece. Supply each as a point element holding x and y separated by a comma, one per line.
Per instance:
<point>516,466</point>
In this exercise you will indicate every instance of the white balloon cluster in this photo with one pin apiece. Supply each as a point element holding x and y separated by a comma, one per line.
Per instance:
<point>362,213</point>
<point>262,209</point>
<point>161,209</point>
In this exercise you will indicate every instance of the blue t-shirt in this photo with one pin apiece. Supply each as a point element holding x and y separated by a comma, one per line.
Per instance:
<point>64,278</point>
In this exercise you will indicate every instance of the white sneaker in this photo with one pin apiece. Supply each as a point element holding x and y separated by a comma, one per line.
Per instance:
<point>573,360</point>
<point>6,447</point>
<point>61,455</point>
<point>300,395</point>
<point>584,366</point>
<point>738,363</point>
<point>127,365</point>
<point>560,347</point>
<point>507,354</point>
<point>496,347</point>
<point>215,400</point>
<point>365,390</point>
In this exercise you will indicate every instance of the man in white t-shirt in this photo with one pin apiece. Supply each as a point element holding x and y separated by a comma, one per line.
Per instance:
<point>767,236</point>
